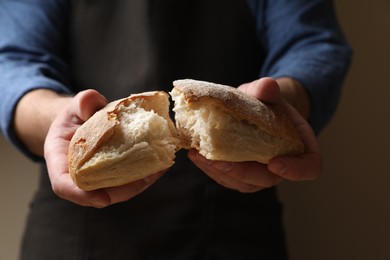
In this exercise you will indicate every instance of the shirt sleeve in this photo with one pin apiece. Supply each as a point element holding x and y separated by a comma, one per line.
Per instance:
<point>303,40</point>
<point>31,54</point>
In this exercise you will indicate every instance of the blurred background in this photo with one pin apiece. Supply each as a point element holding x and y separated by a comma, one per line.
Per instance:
<point>345,214</point>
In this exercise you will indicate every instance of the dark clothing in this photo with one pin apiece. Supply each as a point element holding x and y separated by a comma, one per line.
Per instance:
<point>184,215</point>
<point>298,39</point>
<point>133,46</point>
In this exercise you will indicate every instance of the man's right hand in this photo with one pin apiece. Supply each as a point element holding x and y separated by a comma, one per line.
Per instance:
<point>45,123</point>
<point>56,146</point>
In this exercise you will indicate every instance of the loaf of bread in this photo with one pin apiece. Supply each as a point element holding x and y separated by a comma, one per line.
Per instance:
<point>223,123</point>
<point>134,137</point>
<point>127,140</point>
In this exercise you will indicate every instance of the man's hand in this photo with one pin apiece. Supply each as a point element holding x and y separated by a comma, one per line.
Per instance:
<point>254,176</point>
<point>56,146</point>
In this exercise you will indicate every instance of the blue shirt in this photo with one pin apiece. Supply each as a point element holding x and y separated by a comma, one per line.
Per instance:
<point>301,39</point>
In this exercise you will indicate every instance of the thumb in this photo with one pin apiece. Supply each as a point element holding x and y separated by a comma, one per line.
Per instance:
<point>89,101</point>
<point>264,89</point>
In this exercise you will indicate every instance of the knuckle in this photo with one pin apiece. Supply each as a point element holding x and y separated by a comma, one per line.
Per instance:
<point>58,190</point>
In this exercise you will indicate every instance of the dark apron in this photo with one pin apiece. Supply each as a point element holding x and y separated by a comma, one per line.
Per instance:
<point>124,47</point>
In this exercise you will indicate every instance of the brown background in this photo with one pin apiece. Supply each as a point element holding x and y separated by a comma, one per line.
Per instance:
<point>343,215</point>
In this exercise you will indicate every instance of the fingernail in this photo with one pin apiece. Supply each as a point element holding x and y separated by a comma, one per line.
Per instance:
<point>223,166</point>
<point>149,179</point>
<point>278,168</point>
<point>98,203</point>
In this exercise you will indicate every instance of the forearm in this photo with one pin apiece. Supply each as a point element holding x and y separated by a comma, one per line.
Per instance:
<point>33,116</point>
<point>304,41</point>
<point>32,48</point>
<point>295,94</point>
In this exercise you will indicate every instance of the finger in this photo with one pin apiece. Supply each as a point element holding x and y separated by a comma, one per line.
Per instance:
<point>204,164</point>
<point>64,187</point>
<point>225,180</point>
<point>245,176</point>
<point>62,184</point>
<point>307,166</point>
<point>297,168</point>
<point>233,184</point>
<point>252,173</point>
<point>128,191</point>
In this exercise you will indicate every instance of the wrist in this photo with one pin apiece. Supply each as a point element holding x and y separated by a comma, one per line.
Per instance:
<point>33,116</point>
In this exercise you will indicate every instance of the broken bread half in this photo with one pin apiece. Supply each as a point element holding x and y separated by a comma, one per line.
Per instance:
<point>134,137</point>
<point>223,123</point>
<point>127,140</point>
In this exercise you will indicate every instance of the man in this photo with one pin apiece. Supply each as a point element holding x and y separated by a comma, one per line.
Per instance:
<point>51,52</point>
